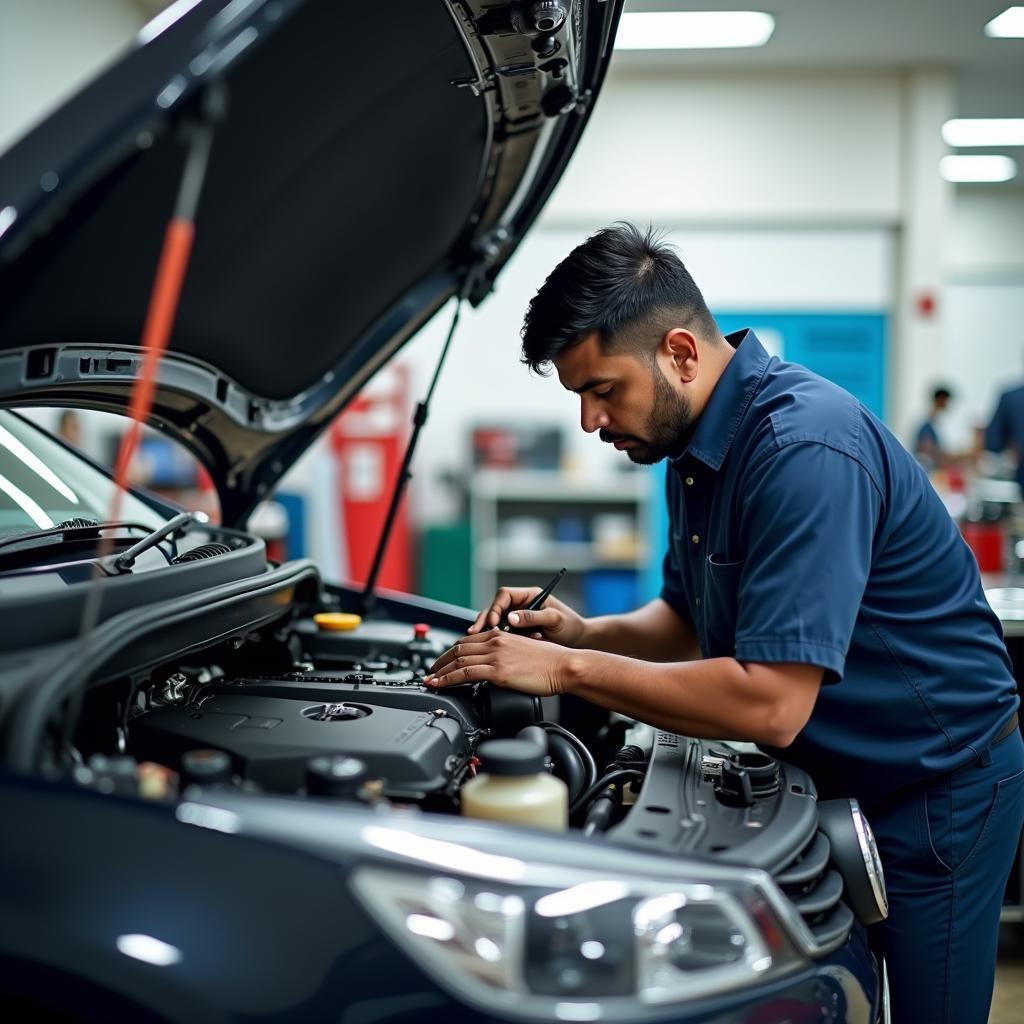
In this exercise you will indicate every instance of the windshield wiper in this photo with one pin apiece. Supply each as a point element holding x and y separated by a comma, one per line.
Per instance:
<point>70,529</point>
<point>79,531</point>
<point>124,561</point>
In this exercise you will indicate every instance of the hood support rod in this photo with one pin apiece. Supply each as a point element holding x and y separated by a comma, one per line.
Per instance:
<point>156,332</point>
<point>369,599</point>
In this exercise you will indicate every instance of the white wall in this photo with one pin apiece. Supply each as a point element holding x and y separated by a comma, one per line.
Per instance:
<point>50,48</point>
<point>983,347</point>
<point>983,353</point>
<point>740,149</point>
<point>986,237</point>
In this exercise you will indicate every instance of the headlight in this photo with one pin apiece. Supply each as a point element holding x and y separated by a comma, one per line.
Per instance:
<point>592,947</point>
<point>855,853</point>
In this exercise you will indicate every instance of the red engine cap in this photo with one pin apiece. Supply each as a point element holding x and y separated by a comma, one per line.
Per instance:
<point>420,630</point>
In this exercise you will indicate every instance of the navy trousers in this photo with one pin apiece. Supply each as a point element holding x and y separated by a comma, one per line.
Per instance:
<point>947,850</point>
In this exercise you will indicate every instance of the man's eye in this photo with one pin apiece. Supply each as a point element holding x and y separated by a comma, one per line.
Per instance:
<point>603,394</point>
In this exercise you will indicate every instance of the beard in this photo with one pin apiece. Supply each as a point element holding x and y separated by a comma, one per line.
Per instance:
<point>668,426</point>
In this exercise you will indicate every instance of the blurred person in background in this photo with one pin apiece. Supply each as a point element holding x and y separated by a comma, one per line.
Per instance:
<point>1005,431</point>
<point>69,427</point>
<point>929,448</point>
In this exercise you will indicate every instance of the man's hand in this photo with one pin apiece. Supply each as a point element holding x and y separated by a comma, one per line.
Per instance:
<point>505,659</point>
<point>556,621</point>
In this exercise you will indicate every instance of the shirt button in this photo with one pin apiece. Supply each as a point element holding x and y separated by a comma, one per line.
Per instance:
<point>689,481</point>
<point>695,538</point>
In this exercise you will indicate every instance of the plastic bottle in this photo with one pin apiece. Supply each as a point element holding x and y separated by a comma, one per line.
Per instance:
<point>514,787</point>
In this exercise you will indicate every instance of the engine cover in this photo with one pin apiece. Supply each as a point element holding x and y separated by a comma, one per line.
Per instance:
<point>270,739</point>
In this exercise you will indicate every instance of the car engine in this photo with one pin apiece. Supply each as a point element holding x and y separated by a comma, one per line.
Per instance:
<point>322,714</point>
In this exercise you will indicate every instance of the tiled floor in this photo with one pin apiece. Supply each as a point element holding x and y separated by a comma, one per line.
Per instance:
<point>1008,999</point>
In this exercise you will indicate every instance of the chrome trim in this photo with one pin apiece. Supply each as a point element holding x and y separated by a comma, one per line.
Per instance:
<point>872,860</point>
<point>886,1017</point>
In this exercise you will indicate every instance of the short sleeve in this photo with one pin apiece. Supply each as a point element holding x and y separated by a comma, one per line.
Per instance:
<point>672,592</point>
<point>807,526</point>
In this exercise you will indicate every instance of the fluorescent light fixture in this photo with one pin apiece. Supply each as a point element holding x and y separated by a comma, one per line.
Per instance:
<point>978,168</point>
<point>1008,25</point>
<point>693,30</point>
<point>984,131</point>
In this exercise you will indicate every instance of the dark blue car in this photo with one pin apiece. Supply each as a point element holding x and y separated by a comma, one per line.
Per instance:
<point>222,798</point>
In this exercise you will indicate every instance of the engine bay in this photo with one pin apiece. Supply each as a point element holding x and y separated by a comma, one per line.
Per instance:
<point>341,716</point>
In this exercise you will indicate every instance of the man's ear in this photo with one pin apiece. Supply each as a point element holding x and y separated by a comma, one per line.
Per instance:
<point>679,350</point>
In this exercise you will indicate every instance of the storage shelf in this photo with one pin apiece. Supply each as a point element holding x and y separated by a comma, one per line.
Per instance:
<point>547,485</point>
<point>492,555</point>
<point>558,502</point>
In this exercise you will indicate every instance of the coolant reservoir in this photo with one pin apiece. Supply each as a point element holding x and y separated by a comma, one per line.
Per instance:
<point>515,787</point>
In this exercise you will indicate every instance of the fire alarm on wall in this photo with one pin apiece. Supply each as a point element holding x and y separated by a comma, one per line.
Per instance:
<point>925,304</point>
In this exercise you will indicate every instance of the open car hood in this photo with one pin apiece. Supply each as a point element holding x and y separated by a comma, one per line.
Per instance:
<point>372,159</point>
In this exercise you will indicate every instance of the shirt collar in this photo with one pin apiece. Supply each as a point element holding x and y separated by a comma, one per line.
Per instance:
<point>728,401</point>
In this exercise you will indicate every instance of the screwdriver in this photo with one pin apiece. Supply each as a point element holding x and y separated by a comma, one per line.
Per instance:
<point>537,602</point>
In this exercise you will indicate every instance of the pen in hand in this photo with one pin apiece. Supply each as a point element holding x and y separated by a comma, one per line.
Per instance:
<point>536,603</point>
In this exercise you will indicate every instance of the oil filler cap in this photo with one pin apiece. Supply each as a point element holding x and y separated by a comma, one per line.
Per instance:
<point>337,622</point>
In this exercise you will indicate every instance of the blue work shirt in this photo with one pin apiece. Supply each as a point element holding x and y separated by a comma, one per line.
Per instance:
<point>802,531</point>
<point>1007,428</point>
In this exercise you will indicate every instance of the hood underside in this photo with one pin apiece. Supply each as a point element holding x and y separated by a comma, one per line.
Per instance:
<point>368,159</point>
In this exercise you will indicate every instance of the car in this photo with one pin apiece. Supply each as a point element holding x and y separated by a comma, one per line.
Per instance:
<point>226,796</point>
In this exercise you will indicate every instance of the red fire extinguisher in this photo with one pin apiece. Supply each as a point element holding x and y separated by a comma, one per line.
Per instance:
<point>367,442</point>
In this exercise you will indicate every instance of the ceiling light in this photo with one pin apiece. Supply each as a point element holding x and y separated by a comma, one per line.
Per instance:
<point>690,30</point>
<point>1008,25</point>
<point>978,168</point>
<point>984,131</point>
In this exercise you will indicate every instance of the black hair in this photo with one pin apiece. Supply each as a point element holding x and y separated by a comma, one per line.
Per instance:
<point>941,393</point>
<point>617,279</point>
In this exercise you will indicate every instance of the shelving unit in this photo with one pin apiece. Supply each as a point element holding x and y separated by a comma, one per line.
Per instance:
<point>528,524</point>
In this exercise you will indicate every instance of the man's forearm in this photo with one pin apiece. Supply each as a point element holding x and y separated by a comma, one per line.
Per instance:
<point>717,698</point>
<point>654,633</point>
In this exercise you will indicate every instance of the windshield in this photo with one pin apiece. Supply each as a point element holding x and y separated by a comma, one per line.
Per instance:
<point>42,483</point>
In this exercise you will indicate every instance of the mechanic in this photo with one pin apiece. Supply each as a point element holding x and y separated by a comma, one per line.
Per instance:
<point>837,612</point>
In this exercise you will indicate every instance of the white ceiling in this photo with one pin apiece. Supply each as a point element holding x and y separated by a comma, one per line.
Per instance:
<point>867,34</point>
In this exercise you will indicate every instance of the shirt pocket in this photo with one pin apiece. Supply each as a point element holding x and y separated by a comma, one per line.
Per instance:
<point>721,605</point>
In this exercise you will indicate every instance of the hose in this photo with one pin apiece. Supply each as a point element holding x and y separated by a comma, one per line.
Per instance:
<point>553,728</point>
<point>573,768</point>
<point>607,780</point>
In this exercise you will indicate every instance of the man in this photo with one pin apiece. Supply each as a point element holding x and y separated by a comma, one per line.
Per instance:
<point>1006,430</point>
<point>839,616</point>
<point>928,446</point>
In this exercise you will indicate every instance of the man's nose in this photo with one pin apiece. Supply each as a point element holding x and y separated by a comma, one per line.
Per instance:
<point>592,417</point>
